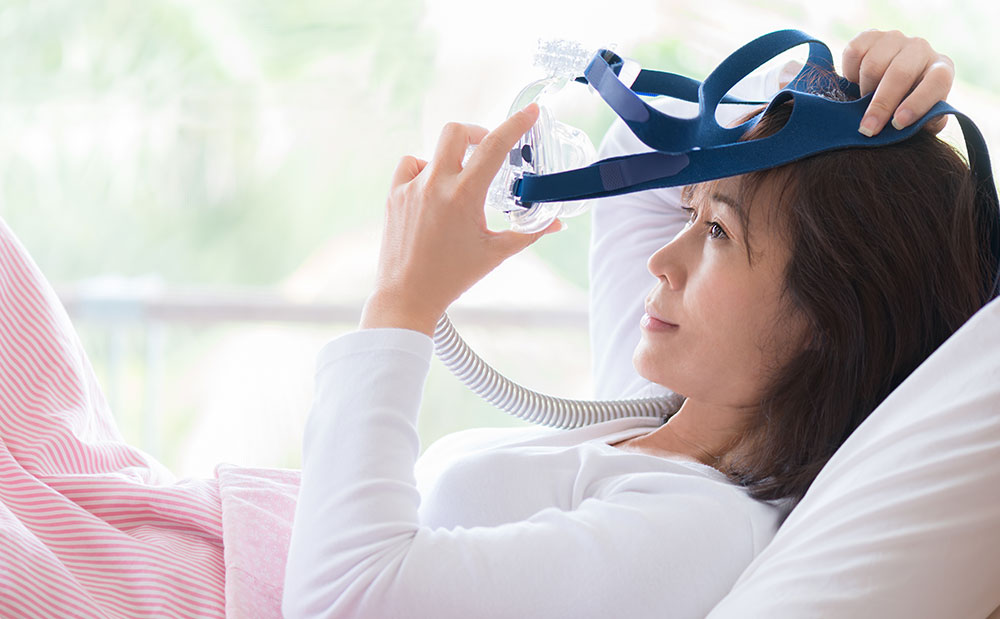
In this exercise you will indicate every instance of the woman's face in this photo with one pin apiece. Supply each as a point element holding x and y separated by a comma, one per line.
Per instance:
<point>717,325</point>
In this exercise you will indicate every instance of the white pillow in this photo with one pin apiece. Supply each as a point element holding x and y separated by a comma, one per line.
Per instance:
<point>904,520</point>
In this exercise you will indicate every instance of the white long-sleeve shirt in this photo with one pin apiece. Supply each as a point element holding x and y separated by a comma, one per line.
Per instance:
<point>515,522</point>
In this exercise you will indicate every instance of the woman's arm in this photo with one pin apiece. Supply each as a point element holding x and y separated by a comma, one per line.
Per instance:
<point>357,546</point>
<point>358,549</point>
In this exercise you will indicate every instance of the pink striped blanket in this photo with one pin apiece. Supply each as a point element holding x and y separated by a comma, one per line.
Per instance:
<point>92,527</point>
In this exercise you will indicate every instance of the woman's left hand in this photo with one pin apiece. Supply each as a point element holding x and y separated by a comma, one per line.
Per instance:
<point>435,242</point>
<point>907,75</point>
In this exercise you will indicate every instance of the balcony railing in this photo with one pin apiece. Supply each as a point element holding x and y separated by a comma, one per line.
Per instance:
<point>121,307</point>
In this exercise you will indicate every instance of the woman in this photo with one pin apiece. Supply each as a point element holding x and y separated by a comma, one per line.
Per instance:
<point>624,518</point>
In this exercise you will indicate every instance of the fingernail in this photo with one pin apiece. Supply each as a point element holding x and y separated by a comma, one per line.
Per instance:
<point>902,119</point>
<point>868,126</point>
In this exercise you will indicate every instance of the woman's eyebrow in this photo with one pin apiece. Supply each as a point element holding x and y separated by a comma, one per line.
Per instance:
<point>732,203</point>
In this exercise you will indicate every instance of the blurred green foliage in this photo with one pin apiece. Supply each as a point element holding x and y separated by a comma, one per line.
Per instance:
<point>208,142</point>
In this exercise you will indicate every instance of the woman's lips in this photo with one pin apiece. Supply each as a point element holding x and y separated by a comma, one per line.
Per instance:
<point>651,322</point>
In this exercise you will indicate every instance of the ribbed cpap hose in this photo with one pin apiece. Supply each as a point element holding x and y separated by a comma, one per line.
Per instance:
<point>530,405</point>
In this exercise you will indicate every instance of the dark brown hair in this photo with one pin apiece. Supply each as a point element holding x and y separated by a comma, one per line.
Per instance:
<point>886,263</point>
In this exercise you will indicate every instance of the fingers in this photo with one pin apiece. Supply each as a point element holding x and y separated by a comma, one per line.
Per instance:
<point>454,141</point>
<point>875,61</point>
<point>934,87</point>
<point>850,60</point>
<point>487,157</point>
<point>509,242</point>
<point>905,74</point>
<point>406,170</point>
<point>493,148</point>
<point>896,81</point>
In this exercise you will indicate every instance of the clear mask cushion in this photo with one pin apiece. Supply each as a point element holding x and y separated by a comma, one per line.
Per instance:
<point>550,146</point>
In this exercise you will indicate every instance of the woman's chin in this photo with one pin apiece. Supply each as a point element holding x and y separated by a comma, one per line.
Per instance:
<point>651,367</point>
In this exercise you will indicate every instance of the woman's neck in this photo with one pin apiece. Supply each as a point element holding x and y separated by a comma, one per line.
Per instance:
<point>699,431</point>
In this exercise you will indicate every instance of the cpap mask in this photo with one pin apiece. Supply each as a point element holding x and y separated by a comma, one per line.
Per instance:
<point>552,146</point>
<point>552,171</point>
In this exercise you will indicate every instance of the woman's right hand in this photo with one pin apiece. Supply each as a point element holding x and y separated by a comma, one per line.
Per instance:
<point>435,240</point>
<point>907,75</point>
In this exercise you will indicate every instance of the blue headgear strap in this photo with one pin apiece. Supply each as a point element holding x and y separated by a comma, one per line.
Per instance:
<point>693,150</point>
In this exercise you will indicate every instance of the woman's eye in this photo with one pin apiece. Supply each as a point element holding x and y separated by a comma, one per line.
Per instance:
<point>716,232</point>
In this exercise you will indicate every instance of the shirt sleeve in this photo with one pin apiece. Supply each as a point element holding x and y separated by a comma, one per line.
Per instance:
<point>358,548</point>
<point>626,230</point>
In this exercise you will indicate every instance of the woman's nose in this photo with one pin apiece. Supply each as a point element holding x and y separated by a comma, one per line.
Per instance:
<point>666,264</point>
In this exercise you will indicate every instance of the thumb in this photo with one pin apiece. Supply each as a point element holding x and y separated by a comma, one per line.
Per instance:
<point>511,242</point>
